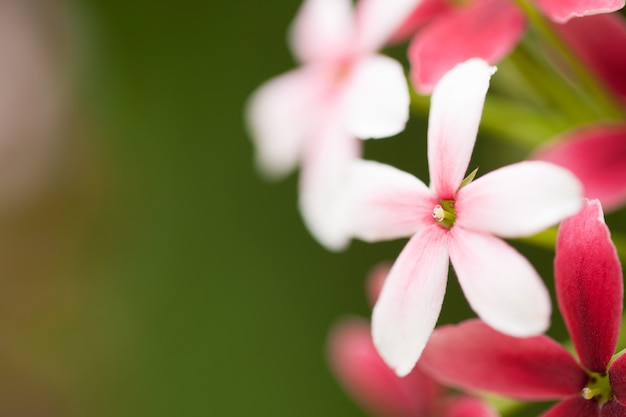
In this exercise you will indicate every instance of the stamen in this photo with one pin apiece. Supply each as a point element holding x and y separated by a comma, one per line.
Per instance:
<point>438,213</point>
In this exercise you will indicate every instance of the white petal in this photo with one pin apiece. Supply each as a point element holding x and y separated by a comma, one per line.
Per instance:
<point>456,108</point>
<point>410,302</point>
<point>377,98</point>
<point>387,203</point>
<point>324,180</point>
<point>519,199</point>
<point>500,285</point>
<point>378,20</point>
<point>322,30</point>
<point>280,115</point>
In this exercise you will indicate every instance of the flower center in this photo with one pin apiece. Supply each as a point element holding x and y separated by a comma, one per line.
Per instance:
<point>444,213</point>
<point>598,388</point>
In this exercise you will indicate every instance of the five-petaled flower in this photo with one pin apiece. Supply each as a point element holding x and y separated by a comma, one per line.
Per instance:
<point>457,220</point>
<point>589,289</point>
<point>344,90</point>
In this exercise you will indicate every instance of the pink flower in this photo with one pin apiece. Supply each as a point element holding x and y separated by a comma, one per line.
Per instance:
<point>369,381</point>
<point>363,374</point>
<point>488,29</point>
<point>451,219</point>
<point>589,290</point>
<point>599,41</point>
<point>596,154</point>
<point>343,90</point>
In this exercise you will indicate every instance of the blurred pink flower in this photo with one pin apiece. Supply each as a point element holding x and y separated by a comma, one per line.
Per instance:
<point>487,29</point>
<point>344,90</point>
<point>589,38</point>
<point>596,154</point>
<point>455,220</point>
<point>589,290</point>
<point>365,377</point>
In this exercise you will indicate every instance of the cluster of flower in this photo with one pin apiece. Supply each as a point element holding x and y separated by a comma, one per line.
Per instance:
<point>345,91</point>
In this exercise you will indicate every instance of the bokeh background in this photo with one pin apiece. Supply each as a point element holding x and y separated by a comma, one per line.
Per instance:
<point>146,269</point>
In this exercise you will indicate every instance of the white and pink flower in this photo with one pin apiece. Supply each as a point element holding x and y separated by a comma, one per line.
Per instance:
<point>457,219</point>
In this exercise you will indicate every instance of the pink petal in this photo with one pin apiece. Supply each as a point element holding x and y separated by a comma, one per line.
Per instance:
<point>280,115</point>
<point>376,98</point>
<point>487,29</point>
<point>589,289</point>
<point>617,377</point>
<point>613,409</point>
<point>456,108</point>
<point>473,356</point>
<point>322,30</point>
<point>376,277</point>
<point>597,156</point>
<point>425,12</point>
<point>378,20</point>
<point>364,375</point>
<point>519,200</point>
<point>574,407</point>
<point>589,38</point>
<point>562,10</point>
<point>464,406</point>
<point>500,285</point>
<point>387,203</point>
<point>411,299</point>
<point>324,180</point>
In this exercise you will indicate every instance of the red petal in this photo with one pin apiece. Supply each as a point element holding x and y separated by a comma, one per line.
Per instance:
<point>370,382</point>
<point>426,11</point>
<point>597,156</point>
<point>589,289</point>
<point>465,406</point>
<point>613,409</point>
<point>473,356</point>
<point>486,29</point>
<point>574,407</point>
<point>617,376</point>
<point>600,40</point>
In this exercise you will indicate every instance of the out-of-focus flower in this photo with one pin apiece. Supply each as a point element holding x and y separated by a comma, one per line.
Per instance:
<point>343,90</point>
<point>596,154</point>
<point>457,220</point>
<point>488,29</point>
<point>376,388</point>
<point>373,385</point>
<point>34,93</point>
<point>599,41</point>
<point>590,294</point>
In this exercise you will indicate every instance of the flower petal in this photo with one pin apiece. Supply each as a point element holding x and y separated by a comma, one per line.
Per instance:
<point>456,108</point>
<point>597,156</point>
<point>588,38</point>
<point>376,98</point>
<point>378,20</point>
<point>280,115</point>
<point>617,378</point>
<point>519,200</point>
<point>561,11</point>
<point>323,181</point>
<point>589,288</point>
<point>425,12</point>
<point>487,29</point>
<point>322,30</point>
<point>613,409</point>
<point>387,203</point>
<point>500,285</point>
<point>574,407</point>
<point>363,374</point>
<point>410,302</point>
<point>473,356</point>
<point>465,406</point>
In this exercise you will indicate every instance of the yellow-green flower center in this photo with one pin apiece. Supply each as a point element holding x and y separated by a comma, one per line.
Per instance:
<point>444,213</point>
<point>598,388</point>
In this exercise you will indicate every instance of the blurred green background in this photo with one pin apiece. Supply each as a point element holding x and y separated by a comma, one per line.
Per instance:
<point>154,273</point>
